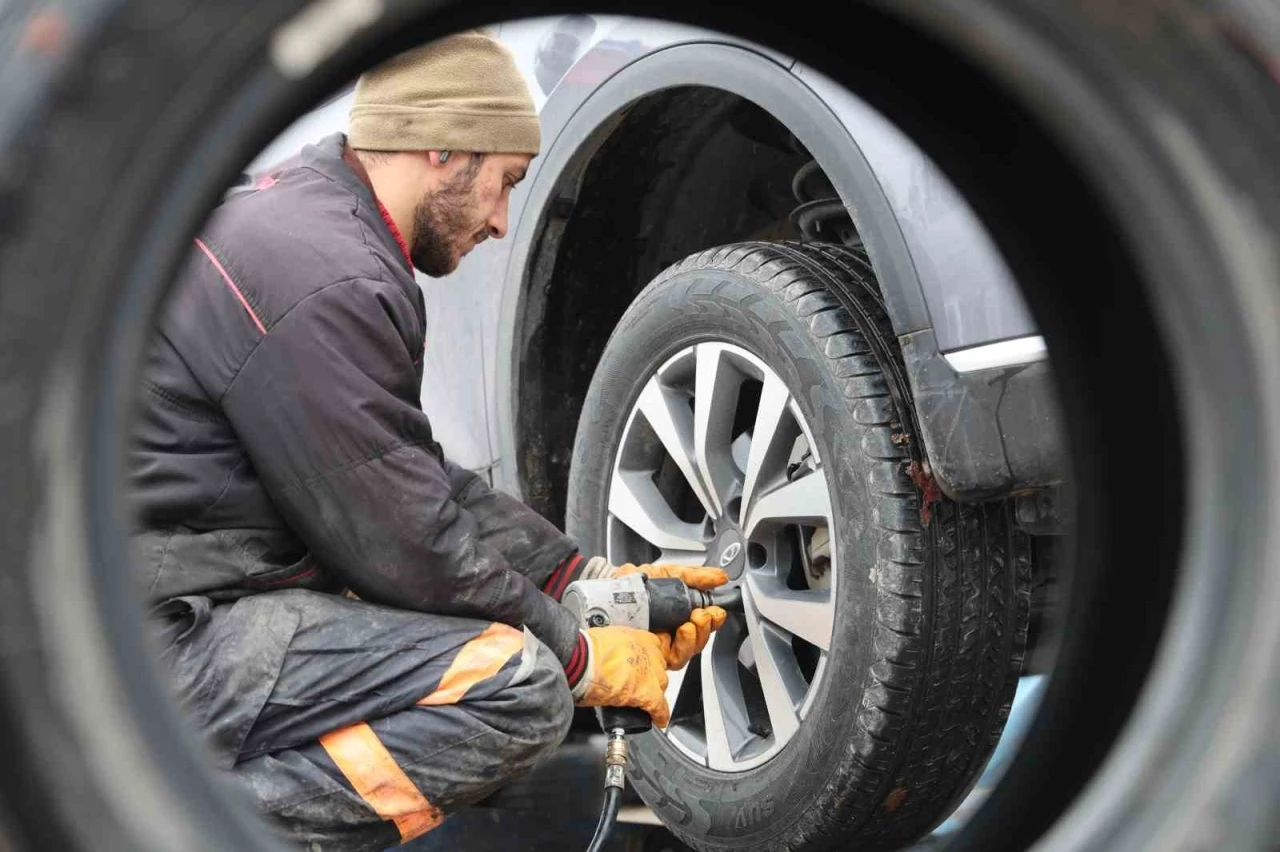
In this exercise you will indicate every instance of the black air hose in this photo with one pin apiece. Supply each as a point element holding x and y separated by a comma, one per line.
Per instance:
<point>608,816</point>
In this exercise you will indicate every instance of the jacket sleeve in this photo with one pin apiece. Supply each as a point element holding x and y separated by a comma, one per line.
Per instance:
<point>530,544</point>
<point>327,409</point>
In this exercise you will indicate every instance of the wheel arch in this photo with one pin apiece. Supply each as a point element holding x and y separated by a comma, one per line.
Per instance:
<point>535,422</point>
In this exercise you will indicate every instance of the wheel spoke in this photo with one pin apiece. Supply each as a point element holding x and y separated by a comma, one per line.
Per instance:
<point>671,420</point>
<point>714,401</point>
<point>807,613</point>
<point>771,440</point>
<point>780,678</point>
<point>675,681</point>
<point>683,557</point>
<point>714,705</point>
<point>805,500</point>
<point>635,501</point>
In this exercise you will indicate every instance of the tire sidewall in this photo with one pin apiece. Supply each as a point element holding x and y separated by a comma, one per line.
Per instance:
<point>675,312</point>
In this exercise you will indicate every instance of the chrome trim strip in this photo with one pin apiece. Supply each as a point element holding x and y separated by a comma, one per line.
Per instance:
<point>1006,353</point>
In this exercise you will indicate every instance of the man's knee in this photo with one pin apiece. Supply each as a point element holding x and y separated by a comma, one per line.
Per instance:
<point>536,704</point>
<point>548,691</point>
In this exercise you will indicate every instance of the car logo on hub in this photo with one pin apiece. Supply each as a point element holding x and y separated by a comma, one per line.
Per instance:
<point>730,553</point>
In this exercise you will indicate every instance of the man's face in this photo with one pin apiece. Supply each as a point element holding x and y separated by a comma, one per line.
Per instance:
<point>465,210</point>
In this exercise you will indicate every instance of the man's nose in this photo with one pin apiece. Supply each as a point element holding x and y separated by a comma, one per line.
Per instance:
<point>498,221</point>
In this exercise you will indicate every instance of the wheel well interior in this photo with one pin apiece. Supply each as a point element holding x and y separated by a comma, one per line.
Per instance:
<point>675,172</point>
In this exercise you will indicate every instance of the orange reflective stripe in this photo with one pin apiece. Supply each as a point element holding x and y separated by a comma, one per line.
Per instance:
<point>380,781</point>
<point>480,658</point>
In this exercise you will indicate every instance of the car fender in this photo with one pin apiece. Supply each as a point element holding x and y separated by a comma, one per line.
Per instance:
<point>750,74</point>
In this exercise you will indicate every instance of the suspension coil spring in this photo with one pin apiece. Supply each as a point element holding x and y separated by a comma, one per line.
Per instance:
<point>820,214</point>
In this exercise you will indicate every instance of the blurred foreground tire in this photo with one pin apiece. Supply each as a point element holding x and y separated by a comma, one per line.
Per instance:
<point>1123,156</point>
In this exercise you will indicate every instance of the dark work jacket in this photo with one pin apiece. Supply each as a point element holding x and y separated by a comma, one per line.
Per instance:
<point>281,442</point>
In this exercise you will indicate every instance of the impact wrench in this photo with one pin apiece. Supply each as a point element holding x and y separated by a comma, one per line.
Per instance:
<point>659,605</point>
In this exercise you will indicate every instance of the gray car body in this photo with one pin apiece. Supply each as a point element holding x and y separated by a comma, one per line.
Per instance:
<point>975,360</point>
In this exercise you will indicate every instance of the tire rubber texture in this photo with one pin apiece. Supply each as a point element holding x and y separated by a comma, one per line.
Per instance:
<point>932,597</point>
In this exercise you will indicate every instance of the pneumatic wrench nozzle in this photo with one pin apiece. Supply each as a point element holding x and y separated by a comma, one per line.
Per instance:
<point>727,598</point>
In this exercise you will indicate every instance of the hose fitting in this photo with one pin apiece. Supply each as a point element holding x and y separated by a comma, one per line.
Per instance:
<point>615,759</point>
<point>615,773</point>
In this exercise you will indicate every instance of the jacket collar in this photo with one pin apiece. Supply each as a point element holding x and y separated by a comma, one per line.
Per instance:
<point>328,156</point>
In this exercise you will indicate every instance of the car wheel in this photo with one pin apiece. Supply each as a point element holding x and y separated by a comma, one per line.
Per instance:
<point>751,411</point>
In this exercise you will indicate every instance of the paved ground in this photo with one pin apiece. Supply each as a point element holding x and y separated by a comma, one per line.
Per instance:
<point>556,808</point>
<point>482,830</point>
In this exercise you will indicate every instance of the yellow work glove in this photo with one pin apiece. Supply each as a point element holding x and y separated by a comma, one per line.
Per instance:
<point>625,668</point>
<point>691,637</point>
<point>703,579</point>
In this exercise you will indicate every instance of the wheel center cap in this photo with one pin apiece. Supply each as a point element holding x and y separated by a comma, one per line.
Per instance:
<point>729,553</point>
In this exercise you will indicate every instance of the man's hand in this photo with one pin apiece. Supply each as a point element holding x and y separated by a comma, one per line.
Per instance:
<point>626,668</point>
<point>691,637</point>
<point>703,579</point>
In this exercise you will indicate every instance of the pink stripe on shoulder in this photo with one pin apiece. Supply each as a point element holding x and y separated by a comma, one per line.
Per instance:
<point>234,289</point>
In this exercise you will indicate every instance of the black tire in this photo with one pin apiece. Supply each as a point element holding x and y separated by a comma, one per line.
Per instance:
<point>932,596</point>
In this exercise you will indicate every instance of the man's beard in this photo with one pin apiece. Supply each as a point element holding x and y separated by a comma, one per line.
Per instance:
<point>438,220</point>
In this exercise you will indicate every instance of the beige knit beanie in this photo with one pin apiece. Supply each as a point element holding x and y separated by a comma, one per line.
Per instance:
<point>461,93</point>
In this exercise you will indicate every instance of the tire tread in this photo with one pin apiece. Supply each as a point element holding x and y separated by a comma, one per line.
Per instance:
<point>949,640</point>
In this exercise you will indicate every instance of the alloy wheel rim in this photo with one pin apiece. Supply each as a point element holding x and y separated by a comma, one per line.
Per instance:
<point>717,466</point>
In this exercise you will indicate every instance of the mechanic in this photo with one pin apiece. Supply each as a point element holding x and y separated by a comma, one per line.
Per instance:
<point>368,636</point>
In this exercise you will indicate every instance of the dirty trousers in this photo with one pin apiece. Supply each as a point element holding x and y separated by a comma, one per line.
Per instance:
<point>354,726</point>
<point>380,721</point>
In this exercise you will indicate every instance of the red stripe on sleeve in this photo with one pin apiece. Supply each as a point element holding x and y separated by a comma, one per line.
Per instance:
<point>577,662</point>
<point>559,578</point>
<point>234,289</point>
